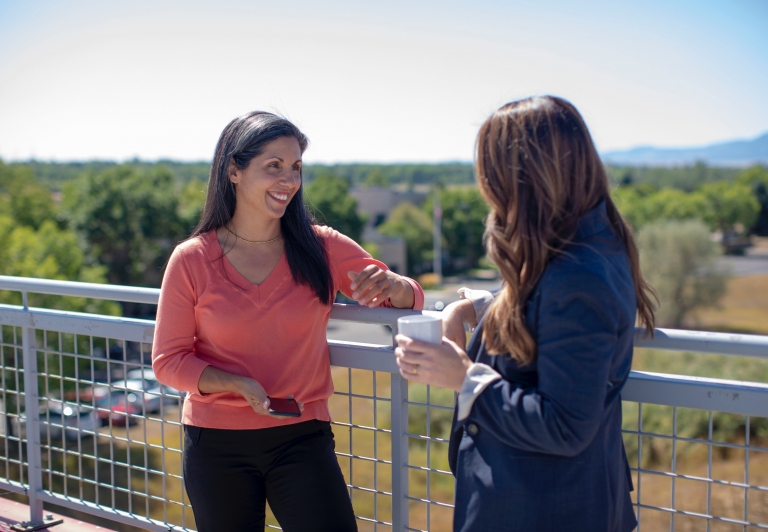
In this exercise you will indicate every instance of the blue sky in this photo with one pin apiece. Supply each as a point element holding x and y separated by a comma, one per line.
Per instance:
<point>386,82</point>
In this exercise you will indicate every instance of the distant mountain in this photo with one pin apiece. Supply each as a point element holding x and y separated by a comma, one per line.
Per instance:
<point>733,153</point>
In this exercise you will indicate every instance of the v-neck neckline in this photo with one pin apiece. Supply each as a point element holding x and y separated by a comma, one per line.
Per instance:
<point>258,293</point>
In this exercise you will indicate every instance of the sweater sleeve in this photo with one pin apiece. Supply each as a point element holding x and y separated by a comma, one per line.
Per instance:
<point>173,358</point>
<point>346,255</point>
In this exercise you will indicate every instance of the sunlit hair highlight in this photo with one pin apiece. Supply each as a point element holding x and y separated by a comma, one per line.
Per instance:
<point>538,169</point>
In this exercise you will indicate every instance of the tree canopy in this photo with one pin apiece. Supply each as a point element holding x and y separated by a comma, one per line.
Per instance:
<point>128,218</point>
<point>415,227</point>
<point>463,223</point>
<point>678,260</point>
<point>327,196</point>
<point>726,206</point>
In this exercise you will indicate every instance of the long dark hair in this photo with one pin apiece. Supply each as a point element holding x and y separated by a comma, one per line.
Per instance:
<point>243,139</point>
<point>539,171</point>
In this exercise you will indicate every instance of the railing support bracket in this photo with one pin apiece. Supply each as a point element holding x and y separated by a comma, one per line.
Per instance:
<point>28,526</point>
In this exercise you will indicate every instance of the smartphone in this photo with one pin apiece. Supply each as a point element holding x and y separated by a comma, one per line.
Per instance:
<point>284,407</point>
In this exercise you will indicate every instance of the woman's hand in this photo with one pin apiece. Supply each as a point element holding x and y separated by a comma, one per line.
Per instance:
<point>444,365</point>
<point>214,380</point>
<point>373,286</point>
<point>254,393</point>
<point>454,317</point>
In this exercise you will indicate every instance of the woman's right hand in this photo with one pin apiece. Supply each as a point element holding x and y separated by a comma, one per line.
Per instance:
<point>254,393</point>
<point>454,317</point>
<point>214,380</point>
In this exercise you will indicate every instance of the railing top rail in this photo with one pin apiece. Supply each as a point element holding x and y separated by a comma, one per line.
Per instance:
<point>667,339</point>
<point>748,345</point>
<point>111,292</point>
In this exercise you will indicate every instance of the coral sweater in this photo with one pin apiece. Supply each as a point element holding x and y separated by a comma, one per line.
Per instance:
<point>209,314</point>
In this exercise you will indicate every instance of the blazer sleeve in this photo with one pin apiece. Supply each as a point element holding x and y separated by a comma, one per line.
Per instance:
<point>576,337</point>
<point>346,255</point>
<point>173,359</point>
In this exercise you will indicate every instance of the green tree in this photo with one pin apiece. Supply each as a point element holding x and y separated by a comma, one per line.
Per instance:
<point>463,224</point>
<point>730,206</point>
<point>327,196</point>
<point>48,253</point>
<point>642,204</point>
<point>191,203</point>
<point>687,178</point>
<point>129,220</point>
<point>26,201</point>
<point>631,204</point>
<point>678,259</point>
<point>415,227</point>
<point>756,178</point>
<point>675,204</point>
<point>376,178</point>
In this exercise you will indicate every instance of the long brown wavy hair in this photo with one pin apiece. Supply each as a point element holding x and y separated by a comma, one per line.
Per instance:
<point>539,171</point>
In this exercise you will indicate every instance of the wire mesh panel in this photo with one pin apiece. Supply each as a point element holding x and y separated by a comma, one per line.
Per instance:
<point>111,439</point>
<point>12,446</point>
<point>360,408</point>
<point>110,434</point>
<point>430,482</point>
<point>697,469</point>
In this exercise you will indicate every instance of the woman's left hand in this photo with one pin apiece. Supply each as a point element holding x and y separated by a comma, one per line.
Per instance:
<point>373,286</point>
<point>444,365</point>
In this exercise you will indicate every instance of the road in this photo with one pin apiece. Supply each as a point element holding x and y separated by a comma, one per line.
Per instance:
<point>750,264</point>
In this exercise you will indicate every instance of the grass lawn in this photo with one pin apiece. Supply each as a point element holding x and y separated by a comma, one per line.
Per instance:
<point>744,308</point>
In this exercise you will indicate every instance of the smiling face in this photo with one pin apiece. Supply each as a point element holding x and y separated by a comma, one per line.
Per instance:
<point>269,182</point>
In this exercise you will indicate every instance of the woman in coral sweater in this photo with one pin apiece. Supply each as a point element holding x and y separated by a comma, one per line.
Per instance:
<point>241,321</point>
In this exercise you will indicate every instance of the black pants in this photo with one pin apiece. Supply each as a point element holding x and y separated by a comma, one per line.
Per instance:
<point>230,474</point>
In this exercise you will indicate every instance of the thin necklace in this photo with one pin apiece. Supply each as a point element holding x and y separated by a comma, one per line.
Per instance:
<point>252,241</point>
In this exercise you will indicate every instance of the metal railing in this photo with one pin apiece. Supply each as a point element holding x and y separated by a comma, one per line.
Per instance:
<point>391,435</point>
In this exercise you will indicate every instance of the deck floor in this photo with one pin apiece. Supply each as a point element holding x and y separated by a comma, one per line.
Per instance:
<point>12,512</point>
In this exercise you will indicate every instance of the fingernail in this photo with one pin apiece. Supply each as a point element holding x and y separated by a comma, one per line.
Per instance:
<point>354,295</point>
<point>353,286</point>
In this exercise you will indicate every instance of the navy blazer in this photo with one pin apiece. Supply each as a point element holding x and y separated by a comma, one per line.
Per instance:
<point>542,449</point>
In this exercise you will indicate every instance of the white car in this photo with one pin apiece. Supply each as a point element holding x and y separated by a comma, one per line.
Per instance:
<point>149,392</point>
<point>170,395</point>
<point>57,417</point>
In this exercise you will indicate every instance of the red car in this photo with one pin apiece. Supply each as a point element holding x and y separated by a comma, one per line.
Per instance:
<point>118,407</point>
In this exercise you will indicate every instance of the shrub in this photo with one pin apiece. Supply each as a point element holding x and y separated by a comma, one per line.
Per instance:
<point>678,259</point>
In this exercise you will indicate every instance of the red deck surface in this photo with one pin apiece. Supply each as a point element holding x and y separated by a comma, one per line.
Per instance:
<point>12,512</point>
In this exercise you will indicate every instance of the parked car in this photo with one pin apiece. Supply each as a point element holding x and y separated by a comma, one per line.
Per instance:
<point>118,408</point>
<point>59,417</point>
<point>170,395</point>
<point>149,393</point>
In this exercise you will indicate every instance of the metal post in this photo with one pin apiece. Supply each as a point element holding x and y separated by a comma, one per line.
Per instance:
<point>437,235</point>
<point>31,405</point>
<point>399,392</point>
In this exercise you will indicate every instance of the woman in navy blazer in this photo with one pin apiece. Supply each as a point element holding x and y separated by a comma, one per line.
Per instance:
<point>536,441</point>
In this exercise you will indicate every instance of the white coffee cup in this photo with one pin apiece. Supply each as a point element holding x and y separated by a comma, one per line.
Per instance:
<point>421,327</point>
